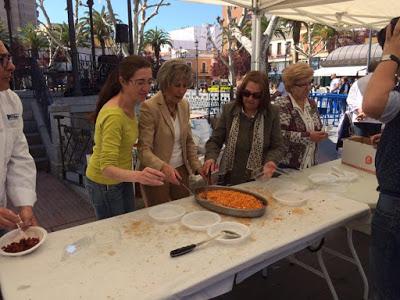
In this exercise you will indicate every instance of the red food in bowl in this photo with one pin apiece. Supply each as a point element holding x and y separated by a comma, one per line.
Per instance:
<point>22,245</point>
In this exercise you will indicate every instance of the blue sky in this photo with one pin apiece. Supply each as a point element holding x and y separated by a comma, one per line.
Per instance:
<point>179,14</point>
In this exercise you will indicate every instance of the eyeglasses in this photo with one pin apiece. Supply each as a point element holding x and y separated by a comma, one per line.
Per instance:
<point>247,93</point>
<point>5,59</point>
<point>142,82</point>
<point>308,83</point>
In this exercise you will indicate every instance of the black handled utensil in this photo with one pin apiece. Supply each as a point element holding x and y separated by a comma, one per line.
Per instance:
<point>189,248</point>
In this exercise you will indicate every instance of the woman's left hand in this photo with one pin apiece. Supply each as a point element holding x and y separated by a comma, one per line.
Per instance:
<point>269,169</point>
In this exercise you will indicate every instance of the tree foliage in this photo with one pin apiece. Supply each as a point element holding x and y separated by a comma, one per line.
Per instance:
<point>241,64</point>
<point>103,28</point>
<point>156,38</point>
<point>32,38</point>
<point>3,33</point>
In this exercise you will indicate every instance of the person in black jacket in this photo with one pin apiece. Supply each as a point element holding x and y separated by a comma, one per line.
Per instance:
<point>382,101</point>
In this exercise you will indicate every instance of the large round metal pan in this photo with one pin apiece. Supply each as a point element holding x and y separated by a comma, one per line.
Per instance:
<point>243,213</point>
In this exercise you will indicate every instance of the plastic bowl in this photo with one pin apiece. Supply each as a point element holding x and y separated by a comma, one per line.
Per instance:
<point>200,220</point>
<point>239,228</point>
<point>346,176</point>
<point>15,236</point>
<point>322,178</point>
<point>290,198</point>
<point>167,212</point>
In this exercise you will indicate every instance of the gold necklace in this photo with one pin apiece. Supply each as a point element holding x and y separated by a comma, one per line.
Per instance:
<point>172,111</point>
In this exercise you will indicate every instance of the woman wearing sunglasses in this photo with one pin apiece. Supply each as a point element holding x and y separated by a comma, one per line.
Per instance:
<point>300,121</point>
<point>250,130</point>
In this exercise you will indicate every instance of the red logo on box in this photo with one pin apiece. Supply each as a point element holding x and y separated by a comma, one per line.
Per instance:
<point>368,159</point>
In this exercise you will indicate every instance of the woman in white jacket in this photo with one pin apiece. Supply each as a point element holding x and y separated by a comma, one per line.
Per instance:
<point>17,168</point>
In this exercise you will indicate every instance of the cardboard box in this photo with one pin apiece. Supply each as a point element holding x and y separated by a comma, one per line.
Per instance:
<point>359,153</point>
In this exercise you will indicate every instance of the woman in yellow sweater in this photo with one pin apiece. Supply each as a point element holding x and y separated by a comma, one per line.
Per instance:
<point>109,172</point>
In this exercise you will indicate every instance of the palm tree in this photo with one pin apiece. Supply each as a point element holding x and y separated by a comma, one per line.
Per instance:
<point>3,33</point>
<point>102,27</point>
<point>32,38</point>
<point>316,38</point>
<point>156,39</point>
<point>315,34</point>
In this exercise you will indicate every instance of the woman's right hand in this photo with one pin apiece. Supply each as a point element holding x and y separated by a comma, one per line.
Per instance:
<point>317,136</point>
<point>375,139</point>
<point>149,176</point>
<point>8,218</point>
<point>209,167</point>
<point>171,174</point>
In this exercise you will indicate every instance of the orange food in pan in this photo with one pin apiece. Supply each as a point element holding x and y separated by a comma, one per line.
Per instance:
<point>232,199</point>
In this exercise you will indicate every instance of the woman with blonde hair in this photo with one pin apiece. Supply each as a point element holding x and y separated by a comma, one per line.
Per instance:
<point>301,124</point>
<point>165,135</point>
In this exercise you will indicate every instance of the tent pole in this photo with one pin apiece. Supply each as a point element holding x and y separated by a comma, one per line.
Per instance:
<point>255,40</point>
<point>369,49</point>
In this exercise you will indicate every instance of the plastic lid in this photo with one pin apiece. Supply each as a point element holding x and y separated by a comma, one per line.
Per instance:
<point>290,198</point>
<point>241,229</point>
<point>322,178</point>
<point>200,220</point>
<point>167,212</point>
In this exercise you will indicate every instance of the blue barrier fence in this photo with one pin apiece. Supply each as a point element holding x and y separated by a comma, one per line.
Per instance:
<point>330,106</point>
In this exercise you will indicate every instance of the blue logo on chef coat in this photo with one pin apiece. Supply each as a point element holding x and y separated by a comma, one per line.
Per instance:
<point>11,117</point>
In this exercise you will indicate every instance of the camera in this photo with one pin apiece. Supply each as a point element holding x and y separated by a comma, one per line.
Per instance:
<point>382,33</point>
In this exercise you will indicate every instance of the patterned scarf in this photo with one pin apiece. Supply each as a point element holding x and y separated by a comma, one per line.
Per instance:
<point>254,161</point>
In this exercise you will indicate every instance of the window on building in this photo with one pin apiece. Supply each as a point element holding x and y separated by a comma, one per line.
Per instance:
<point>279,49</point>
<point>203,68</point>
<point>189,64</point>
<point>288,47</point>
<point>270,50</point>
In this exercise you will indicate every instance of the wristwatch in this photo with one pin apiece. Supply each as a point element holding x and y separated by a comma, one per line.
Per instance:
<point>393,57</point>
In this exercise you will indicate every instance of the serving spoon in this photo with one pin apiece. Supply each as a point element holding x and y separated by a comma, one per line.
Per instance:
<point>227,234</point>
<point>21,232</point>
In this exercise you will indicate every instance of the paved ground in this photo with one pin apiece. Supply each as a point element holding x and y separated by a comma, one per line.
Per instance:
<point>60,207</point>
<point>286,281</point>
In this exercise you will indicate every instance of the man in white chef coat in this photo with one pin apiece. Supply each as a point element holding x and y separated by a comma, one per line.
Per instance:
<point>17,167</point>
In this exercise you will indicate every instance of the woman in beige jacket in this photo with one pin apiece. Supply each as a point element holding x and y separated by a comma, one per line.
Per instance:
<point>165,136</point>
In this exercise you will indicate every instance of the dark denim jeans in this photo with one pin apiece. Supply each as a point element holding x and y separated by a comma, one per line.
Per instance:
<point>385,249</point>
<point>110,200</point>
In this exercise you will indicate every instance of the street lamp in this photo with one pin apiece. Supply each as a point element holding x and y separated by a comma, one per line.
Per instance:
<point>7,7</point>
<point>90,6</point>
<point>196,45</point>
<point>287,48</point>
<point>130,29</point>
<point>74,51</point>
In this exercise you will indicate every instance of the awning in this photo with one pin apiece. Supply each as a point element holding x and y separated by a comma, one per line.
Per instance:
<point>354,55</point>
<point>344,15</point>
<point>341,71</point>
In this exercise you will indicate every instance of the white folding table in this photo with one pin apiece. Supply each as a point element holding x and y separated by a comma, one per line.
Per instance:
<point>127,257</point>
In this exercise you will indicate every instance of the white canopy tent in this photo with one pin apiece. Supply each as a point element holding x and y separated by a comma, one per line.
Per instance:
<point>341,71</point>
<point>344,15</point>
<point>259,7</point>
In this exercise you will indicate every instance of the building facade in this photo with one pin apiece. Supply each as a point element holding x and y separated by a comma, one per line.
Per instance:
<point>22,12</point>
<point>197,45</point>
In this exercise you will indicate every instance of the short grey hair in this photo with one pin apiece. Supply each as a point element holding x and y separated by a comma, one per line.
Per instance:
<point>174,71</point>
